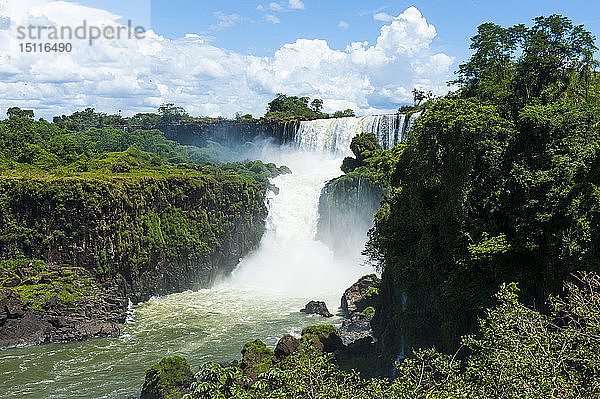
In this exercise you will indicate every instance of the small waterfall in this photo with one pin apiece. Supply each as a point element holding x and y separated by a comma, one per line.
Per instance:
<point>334,135</point>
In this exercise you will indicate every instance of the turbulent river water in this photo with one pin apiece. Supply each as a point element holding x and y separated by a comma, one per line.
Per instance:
<point>261,299</point>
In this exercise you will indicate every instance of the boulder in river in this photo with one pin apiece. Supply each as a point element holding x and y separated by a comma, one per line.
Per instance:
<point>316,307</point>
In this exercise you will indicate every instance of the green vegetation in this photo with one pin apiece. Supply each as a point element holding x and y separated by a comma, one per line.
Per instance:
<point>348,203</point>
<point>343,114</point>
<point>497,182</point>
<point>168,379</point>
<point>292,107</point>
<point>284,106</point>
<point>40,286</point>
<point>118,202</point>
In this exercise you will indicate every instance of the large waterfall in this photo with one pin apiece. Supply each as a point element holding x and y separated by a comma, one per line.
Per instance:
<point>334,135</point>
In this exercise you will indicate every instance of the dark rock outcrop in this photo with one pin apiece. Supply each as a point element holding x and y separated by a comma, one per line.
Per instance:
<point>356,328</point>
<point>316,307</point>
<point>101,312</point>
<point>286,345</point>
<point>171,378</point>
<point>360,295</point>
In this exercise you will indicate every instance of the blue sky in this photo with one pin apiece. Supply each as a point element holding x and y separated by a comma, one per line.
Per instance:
<point>367,56</point>
<point>455,21</point>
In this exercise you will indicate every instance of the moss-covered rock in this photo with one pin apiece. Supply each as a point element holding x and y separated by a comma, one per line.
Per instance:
<point>89,239</point>
<point>171,378</point>
<point>256,359</point>
<point>325,337</point>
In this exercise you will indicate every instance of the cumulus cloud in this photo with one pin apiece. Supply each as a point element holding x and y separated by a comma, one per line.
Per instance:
<point>139,75</point>
<point>381,16</point>
<point>275,7</point>
<point>343,25</point>
<point>282,6</point>
<point>272,18</point>
<point>296,5</point>
<point>226,20</point>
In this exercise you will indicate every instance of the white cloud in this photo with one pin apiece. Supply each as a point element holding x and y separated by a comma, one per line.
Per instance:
<point>343,25</point>
<point>138,75</point>
<point>381,16</point>
<point>275,7</point>
<point>272,18</point>
<point>408,33</point>
<point>226,20</point>
<point>296,5</point>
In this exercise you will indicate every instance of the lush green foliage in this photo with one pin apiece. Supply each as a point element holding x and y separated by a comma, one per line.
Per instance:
<point>168,379</point>
<point>517,66</point>
<point>304,374</point>
<point>40,286</point>
<point>131,198</point>
<point>344,114</point>
<point>497,182</point>
<point>292,107</point>
<point>284,106</point>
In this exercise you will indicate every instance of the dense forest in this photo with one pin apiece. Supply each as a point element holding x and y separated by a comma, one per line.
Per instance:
<point>497,182</point>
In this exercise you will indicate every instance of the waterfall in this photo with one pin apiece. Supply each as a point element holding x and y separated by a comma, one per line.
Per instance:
<point>289,259</point>
<point>334,135</point>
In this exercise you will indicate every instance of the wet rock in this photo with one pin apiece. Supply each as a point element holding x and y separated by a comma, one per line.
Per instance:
<point>316,307</point>
<point>286,345</point>
<point>360,295</point>
<point>356,328</point>
<point>101,313</point>
<point>170,378</point>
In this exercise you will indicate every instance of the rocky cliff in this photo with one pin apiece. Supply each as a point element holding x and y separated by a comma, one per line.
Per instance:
<point>77,249</point>
<point>229,132</point>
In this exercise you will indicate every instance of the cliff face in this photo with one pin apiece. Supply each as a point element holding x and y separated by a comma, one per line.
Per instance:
<point>229,132</point>
<point>346,208</point>
<point>143,235</point>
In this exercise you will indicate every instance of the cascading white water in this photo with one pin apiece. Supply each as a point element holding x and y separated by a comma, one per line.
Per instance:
<point>289,259</point>
<point>334,135</point>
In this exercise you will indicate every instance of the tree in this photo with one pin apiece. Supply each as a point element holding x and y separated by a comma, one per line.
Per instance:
<point>284,106</point>
<point>344,114</point>
<point>316,105</point>
<point>170,113</point>
<point>517,66</point>
<point>420,95</point>
<point>18,112</point>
